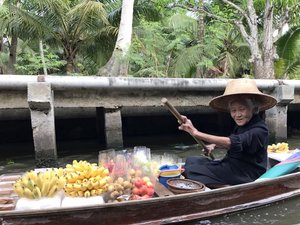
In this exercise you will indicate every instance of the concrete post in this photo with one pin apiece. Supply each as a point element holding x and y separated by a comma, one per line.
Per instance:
<point>276,118</point>
<point>40,100</point>
<point>113,128</point>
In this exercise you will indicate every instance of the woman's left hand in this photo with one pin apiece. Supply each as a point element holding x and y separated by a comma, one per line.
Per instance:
<point>209,149</point>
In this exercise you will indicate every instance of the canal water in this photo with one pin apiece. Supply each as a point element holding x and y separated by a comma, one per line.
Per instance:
<point>281,213</point>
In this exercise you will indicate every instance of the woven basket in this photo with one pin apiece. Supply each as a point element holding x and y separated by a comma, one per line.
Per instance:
<point>181,186</point>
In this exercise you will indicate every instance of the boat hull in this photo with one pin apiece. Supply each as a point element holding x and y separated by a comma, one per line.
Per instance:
<point>169,209</point>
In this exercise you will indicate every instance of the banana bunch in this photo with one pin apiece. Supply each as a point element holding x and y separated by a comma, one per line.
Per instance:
<point>34,185</point>
<point>84,179</point>
<point>279,147</point>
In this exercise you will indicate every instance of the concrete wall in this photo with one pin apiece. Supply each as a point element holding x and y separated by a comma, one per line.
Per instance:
<point>111,92</point>
<point>108,99</point>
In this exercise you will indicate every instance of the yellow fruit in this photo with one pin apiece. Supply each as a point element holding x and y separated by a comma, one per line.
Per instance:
<point>77,187</point>
<point>80,193</point>
<point>102,182</point>
<point>87,194</point>
<point>105,172</point>
<point>45,188</point>
<point>19,190</point>
<point>52,191</point>
<point>39,181</point>
<point>84,186</point>
<point>94,192</point>
<point>28,193</point>
<point>37,192</point>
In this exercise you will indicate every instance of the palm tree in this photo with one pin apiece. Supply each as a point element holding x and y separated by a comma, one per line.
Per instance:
<point>125,16</point>
<point>194,55</point>
<point>73,27</point>
<point>118,64</point>
<point>16,23</point>
<point>69,26</point>
<point>288,50</point>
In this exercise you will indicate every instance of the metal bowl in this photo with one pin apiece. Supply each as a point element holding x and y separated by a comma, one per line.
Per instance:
<point>180,186</point>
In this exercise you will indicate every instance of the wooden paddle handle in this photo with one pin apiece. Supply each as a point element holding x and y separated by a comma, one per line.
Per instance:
<point>174,111</point>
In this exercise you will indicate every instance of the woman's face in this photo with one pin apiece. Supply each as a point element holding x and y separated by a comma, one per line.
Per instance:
<point>240,112</point>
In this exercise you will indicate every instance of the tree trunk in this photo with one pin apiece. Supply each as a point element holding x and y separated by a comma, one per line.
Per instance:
<point>12,55</point>
<point>262,56</point>
<point>268,46</point>
<point>201,30</point>
<point>43,57</point>
<point>118,63</point>
<point>258,68</point>
<point>1,50</point>
<point>69,56</point>
<point>70,68</point>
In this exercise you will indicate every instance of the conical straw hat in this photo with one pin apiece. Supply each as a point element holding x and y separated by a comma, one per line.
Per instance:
<point>242,87</point>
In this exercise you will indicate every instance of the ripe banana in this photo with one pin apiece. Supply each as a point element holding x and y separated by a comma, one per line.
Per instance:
<point>84,179</point>
<point>28,193</point>
<point>43,184</point>
<point>278,148</point>
<point>37,192</point>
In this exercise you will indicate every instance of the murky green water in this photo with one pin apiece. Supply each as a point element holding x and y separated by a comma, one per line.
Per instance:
<point>282,213</point>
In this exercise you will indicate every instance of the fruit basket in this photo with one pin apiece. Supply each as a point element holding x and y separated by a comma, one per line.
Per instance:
<point>181,186</point>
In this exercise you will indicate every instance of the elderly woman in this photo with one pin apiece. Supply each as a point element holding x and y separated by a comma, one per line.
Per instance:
<point>246,157</point>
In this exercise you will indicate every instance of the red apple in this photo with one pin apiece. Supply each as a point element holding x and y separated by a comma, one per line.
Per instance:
<point>150,192</point>
<point>138,183</point>
<point>136,191</point>
<point>143,190</point>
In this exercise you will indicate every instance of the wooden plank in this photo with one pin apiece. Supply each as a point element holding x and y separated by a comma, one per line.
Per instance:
<point>161,190</point>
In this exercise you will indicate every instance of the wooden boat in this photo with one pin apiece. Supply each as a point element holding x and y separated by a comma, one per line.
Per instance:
<point>167,208</point>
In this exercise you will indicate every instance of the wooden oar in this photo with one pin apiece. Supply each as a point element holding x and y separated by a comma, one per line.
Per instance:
<point>174,111</point>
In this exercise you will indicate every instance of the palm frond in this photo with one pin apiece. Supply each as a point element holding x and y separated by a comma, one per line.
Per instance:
<point>88,15</point>
<point>145,9</point>
<point>295,74</point>
<point>180,22</point>
<point>288,46</point>
<point>187,59</point>
<point>280,68</point>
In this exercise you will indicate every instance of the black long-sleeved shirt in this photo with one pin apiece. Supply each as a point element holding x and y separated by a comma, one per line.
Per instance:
<point>247,157</point>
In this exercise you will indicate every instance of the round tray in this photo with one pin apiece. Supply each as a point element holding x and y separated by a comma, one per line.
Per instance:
<point>180,186</point>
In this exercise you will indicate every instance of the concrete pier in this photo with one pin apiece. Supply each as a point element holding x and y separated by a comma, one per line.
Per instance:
<point>276,118</point>
<point>113,128</point>
<point>40,101</point>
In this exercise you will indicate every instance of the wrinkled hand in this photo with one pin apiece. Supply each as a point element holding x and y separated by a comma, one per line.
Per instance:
<point>187,125</point>
<point>209,149</point>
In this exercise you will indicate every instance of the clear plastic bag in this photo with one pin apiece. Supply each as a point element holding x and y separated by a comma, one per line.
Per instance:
<point>106,159</point>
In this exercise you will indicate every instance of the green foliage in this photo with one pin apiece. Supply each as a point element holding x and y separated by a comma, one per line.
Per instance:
<point>288,50</point>
<point>3,59</point>
<point>30,63</point>
<point>195,55</point>
<point>148,50</point>
<point>165,41</point>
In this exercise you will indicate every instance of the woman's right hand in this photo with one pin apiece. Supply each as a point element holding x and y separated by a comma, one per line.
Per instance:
<point>187,126</point>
